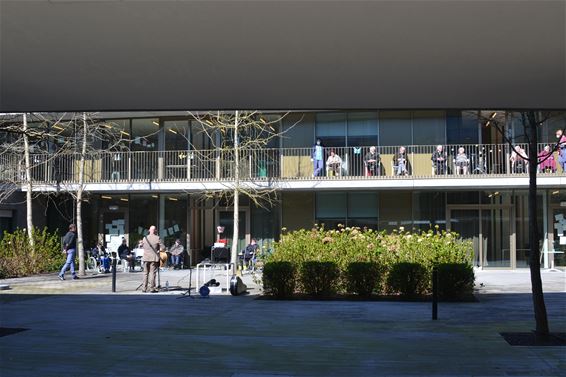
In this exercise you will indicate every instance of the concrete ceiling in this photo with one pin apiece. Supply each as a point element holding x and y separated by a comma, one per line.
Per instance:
<point>175,55</point>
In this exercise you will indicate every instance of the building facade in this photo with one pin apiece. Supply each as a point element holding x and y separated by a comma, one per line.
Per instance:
<point>164,163</point>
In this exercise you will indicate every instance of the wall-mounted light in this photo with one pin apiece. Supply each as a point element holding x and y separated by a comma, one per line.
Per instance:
<point>209,122</point>
<point>493,115</point>
<point>107,126</point>
<point>173,199</point>
<point>58,128</point>
<point>124,133</point>
<point>155,196</point>
<point>488,123</point>
<point>156,123</point>
<point>106,197</point>
<point>124,199</point>
<point>172,131</point>
<point>556,192</point>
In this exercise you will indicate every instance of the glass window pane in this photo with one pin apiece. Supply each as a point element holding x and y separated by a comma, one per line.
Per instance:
<point>395,210</point>
<point>429,209</point>
<point>330,205</point>
<point>363,204</point>
<point>362,129</point>
<point>176,135</point>
<point>395,128</point>
<point>331,129</point>
<point>145,133</point>
<point>461,127</point>
<point>429,128</point>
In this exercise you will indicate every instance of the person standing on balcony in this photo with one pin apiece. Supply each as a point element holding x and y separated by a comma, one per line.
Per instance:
<point>561,149</point>
<point>334,164</point>
<point>317,157</point>
<point>69,249</point>
<point>400,162</point>
<point>371,162</point>
<point>151,246</point>
<point>439,160</point>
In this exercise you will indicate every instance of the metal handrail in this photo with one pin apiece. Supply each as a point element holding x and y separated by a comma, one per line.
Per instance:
<point>268,164</point>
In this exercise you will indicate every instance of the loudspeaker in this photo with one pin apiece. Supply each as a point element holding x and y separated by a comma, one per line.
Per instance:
<point>237,286</point>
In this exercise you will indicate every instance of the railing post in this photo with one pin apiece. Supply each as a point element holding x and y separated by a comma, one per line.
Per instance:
<point>160,166</point>
<point>129,166</point>
<point>217,163</point>
<point>189,166</point>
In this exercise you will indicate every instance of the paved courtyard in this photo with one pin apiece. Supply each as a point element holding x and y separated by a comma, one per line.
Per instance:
<point>81,328</point>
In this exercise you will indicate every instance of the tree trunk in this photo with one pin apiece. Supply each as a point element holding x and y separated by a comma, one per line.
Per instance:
<point>79,220</point>
<point>235,236</point>
<point>29,208</point>
<point>534,259</point>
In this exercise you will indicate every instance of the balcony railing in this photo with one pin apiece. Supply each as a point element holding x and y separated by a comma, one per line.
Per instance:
<point>264,164</point>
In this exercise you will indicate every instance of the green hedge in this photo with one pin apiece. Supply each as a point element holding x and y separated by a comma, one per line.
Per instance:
<point>319,278</point>
<point>455,281</point>
<point>344,247</point>
<point>279,279</point>
<point>363,278</point>
<point>17,258</point>
<point>408,279</point>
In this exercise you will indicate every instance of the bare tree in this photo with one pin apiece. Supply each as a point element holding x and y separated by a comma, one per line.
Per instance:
<point>239,137</point>
<point>530,120</point>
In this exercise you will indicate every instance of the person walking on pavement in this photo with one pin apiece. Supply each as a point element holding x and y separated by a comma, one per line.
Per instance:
<point>70,249</point>
<point>151,246</point>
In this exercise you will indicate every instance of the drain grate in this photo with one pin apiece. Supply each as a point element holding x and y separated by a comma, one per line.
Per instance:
<point>556,339</point>
<point>4,331</point>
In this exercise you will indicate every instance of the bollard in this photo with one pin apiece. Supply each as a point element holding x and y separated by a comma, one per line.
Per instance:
<point>114,275</point>
<point>434,293</point>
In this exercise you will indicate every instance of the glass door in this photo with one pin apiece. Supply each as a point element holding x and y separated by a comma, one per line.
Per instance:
<point>466,223</point>
<point>558,237</point>
<point>489,230</point>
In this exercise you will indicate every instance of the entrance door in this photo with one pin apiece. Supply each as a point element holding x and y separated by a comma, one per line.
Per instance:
<point>489,230</point>
<point>557,235</point>
<point>226,219</point>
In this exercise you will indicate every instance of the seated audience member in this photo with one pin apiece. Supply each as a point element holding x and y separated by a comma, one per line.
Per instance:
<point>371,162</point>
<point>177,251</point>
<point>400,162</point>
<point>546,161</point>
<point>461,161</point>
<point>519,160</point>
<point>334,164</point>
<point>126,254</point>
<point>439,160</point>
<point>104,258</point>
<point>249,253</point>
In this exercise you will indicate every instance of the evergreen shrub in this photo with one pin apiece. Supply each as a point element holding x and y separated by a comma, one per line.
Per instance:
<point>319,278</point>
<point>408,279</point>
<point>279,279</point>
<point>455,281</point>
<point>362,278</point>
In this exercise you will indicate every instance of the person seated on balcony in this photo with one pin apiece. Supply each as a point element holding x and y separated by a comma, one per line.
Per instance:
<point>400,162</point>
<point>371,162</point>
<point>334,164</point>
<point>519,160</point>
<point>461,161</point>
<point>546,161</point>
<point>317,157</point>
<point>561,149</point>
<point>439,160</point>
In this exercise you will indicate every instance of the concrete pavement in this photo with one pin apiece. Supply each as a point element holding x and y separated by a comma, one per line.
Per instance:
<point>78,328</point>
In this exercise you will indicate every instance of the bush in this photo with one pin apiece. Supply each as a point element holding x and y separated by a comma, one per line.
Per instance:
<point>455,280</point>
<point>279,279</point>
<point>17,258</point>
<point>319,278</point>
<point>407,279</point>
<point>362,278</point>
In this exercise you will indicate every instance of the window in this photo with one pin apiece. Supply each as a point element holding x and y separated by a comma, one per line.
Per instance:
<point>395,128</point>
<point>331,129</point>
<point>362,129</point>
<point>429,128</point>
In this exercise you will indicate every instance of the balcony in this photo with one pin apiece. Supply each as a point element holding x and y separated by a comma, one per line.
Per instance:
<point>487,166</point>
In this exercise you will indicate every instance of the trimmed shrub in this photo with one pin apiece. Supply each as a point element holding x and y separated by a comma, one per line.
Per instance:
<point>408,279</point>
<point>362,278</point>
<point>319,278</point>
<point>279,279</point>
<point>17,258</point>
<point>455,280</point>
